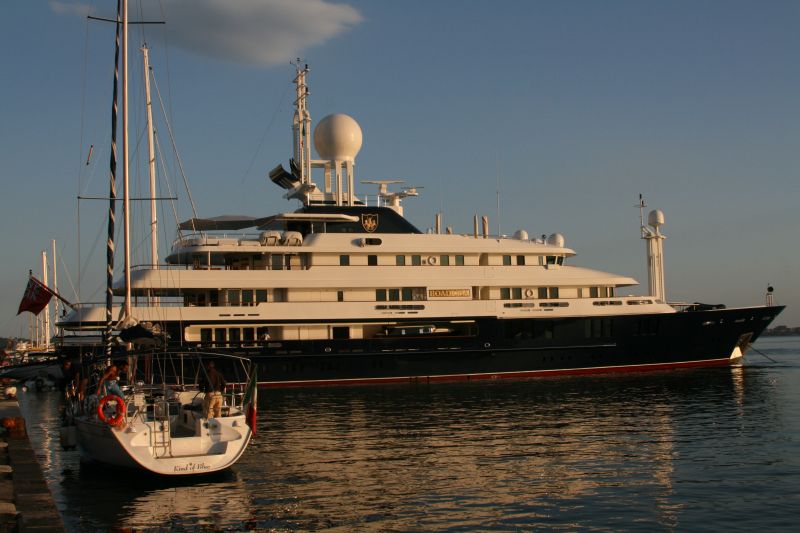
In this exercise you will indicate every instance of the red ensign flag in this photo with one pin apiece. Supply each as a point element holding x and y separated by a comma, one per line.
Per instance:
<point>36,297</point>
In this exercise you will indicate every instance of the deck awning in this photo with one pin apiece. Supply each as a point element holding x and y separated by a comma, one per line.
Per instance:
<point>223,223</point>
<point>237,222</point>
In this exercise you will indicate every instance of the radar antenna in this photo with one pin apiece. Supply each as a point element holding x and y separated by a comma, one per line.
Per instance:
<point>392,199</point>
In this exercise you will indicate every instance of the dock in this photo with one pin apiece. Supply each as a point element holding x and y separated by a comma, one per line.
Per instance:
<point>26,503</point>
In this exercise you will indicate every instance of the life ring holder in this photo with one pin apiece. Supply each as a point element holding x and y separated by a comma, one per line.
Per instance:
<point>119,412</point>
<point>432,260</point>
<point>528,293</point>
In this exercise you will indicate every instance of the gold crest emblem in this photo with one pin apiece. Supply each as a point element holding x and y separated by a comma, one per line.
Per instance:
<point>369,222</point>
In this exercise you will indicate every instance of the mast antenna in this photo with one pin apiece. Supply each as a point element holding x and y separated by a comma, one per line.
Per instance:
<point>641,205</point>
<point>301,123</point>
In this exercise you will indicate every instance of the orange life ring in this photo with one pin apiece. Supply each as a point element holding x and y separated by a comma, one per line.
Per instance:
<point>119,413</point>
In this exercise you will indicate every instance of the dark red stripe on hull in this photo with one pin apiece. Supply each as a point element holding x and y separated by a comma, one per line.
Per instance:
<point>499,375</point>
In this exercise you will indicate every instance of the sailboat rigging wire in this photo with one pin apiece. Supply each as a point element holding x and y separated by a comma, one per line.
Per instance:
<point>83,104</point>
<point>175,149</point>
<point>89,178</point>
<point>130,23</point>
<point>264,135</point>
<point>140,199</point>
<point>81,169</point>
<point>69,278</point>
<point>167,182</point>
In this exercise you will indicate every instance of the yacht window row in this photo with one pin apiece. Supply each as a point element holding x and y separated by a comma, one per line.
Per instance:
<point>303,261</point>
<point>544,293</point>
<point>253,297</point>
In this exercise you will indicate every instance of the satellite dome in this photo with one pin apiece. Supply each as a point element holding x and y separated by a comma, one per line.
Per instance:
<point>338,137</point>
<point>521,235</point>
<point>656,218</point>
<point>556,239</point>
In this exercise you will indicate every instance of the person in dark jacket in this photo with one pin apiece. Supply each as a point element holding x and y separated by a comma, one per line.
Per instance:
<point>213,387</point>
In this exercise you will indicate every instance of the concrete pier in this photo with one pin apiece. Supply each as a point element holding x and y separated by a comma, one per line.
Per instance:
<point>26,503</point>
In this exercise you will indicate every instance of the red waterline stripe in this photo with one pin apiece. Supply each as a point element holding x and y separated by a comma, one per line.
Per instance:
<point>497,375</point>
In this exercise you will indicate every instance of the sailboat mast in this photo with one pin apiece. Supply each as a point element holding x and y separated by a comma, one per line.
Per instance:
<point>151,154</point>
<point>46,316</point>
<point>112,195</point>
<point>125,192</point>
<point>55,283</point>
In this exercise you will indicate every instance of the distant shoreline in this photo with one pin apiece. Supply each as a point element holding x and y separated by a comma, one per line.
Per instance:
<point>781,331</point>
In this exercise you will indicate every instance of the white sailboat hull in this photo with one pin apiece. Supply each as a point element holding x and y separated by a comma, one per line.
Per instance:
<point>156,447</point>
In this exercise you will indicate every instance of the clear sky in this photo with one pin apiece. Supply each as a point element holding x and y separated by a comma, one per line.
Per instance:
<point>577,107</point>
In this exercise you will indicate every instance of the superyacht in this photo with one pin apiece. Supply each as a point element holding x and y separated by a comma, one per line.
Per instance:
<point>345,290</point>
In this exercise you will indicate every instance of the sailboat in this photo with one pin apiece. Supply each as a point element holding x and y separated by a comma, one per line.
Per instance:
<point>161,426</point>
<point>160,422</point>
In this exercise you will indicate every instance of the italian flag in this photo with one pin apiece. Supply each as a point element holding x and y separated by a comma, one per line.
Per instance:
<point>251,400</point>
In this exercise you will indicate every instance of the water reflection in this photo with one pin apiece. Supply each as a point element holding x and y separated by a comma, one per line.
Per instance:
<point>650,450</point>
<point>139,502</point>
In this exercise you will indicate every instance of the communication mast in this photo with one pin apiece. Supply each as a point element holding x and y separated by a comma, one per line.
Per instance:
<point>651,233</point>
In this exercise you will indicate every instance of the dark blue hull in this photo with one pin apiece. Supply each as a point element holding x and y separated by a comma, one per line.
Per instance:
<point>520,348</point>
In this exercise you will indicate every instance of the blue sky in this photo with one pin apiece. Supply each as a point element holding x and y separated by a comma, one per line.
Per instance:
<point>578,106</point>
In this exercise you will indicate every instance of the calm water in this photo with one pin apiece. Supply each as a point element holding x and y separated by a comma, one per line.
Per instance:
<point>691,450</point>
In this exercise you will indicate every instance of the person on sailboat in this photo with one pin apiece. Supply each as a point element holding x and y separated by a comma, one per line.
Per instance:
<point>213,387</point>
<point>70,377</point>
<point>110,379</point>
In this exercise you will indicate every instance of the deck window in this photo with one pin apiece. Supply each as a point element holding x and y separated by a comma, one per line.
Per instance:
<point>459,260</point>
<point>340,332</point>
<point>233,297</point>
<point>400,260</point>
<point>516,293</point>
<point>372,260</point>
<point>407,294</point>
<point>394,295</point>
<point>339,296</point>
<point>380,295</point>
<point>205,335</point>
<point>444,260</point>
<point>416,260</point>
<point>344,260</point>
<point>247,297</point>
<point>521,260</point>
<point>507,260</point>
<point>505,293</point>
<point>542,292</point>
<point>261,295</point>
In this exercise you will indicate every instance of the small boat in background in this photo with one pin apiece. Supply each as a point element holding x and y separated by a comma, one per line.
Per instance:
<point>45,366</point>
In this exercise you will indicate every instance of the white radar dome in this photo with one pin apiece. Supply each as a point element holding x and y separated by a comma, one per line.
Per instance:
<point>521,235</point>
<point>656,218</point>
<point>338,138</point>
<point>556,239</point>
